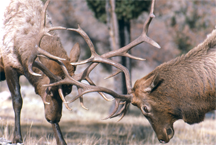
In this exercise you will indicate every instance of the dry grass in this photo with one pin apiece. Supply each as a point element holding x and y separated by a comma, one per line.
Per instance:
<point>87,127</point>
<point>98,132</point>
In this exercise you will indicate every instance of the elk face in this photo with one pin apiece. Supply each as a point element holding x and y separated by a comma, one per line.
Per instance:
<point>155,108</point>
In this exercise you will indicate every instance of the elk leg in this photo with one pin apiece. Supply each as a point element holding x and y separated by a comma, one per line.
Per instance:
<point>12,78</point>
<point>58,134</point>
<point>2,73</point>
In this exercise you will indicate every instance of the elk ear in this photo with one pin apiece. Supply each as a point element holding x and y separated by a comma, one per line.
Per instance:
<point>151,83</point>
<point>75,53</point>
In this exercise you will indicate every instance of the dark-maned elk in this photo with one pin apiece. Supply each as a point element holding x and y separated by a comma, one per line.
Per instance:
<point>183,88</point>
<point>25,35</point>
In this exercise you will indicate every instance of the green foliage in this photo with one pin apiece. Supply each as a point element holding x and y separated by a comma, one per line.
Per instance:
<point>125,9</point>
<point>130,9</point>
<point>43,1</point>
<point>98,7</point>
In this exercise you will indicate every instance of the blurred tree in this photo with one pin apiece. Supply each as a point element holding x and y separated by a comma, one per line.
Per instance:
<point>117,15</point>
<point>43,1</point>
<point>125,9</point>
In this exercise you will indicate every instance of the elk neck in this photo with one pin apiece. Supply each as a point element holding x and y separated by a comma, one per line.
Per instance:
<point>189,82</point>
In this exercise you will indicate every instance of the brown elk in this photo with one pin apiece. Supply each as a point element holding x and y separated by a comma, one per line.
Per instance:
<point>28,33</point>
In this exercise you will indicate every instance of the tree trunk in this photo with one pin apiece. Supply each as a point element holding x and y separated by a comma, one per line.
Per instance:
<point>119,36</point>
<point>124,33</point>
<point>112,23</point>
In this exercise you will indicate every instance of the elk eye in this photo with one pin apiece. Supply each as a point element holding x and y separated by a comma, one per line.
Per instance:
<point>145,109</point>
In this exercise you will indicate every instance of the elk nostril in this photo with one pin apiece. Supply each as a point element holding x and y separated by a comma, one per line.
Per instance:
<point>169,131</point>
<point>161,141</point>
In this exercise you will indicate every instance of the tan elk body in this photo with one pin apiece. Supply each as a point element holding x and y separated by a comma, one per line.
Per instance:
<point>21,32</point>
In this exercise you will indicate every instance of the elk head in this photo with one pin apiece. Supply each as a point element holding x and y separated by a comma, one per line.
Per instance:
<point>52,70</point>
<point>154,105</point>
<point>137,95</point>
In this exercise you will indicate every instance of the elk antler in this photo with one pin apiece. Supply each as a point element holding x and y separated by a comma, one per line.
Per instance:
<point>42,32</point>
<point>95,59</point>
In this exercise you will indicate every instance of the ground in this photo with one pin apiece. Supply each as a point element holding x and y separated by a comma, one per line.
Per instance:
<point>81,126</point>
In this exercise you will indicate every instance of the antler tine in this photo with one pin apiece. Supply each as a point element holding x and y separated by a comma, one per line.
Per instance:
<point>43,21</point>
<point>82,104</point>
<point>44,99</point>
<point>81,99</point>
<point>85,36</point>
<point>117,102</point>
<point>146,26</point>
<point>102,94</point>
<point>114,74</point>
<point>62,97</point>
<point>150,17</point>
<point>89,43</point>
<point>134,57</point>
<point>119,71</point>
<point>43,30</point>
<point>123,111</point>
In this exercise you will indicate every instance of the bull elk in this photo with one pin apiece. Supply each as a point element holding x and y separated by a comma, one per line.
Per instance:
<point>28,33</point>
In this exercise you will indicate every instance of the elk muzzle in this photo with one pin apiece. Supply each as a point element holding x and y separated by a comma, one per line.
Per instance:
<point>165,135</point>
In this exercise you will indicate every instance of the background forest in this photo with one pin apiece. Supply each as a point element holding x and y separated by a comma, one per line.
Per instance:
<point>178,27</point>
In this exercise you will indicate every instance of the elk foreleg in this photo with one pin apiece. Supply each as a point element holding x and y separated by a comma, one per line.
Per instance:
<point>2,73</point>
<point>58,134</point>
<point>12,78</point>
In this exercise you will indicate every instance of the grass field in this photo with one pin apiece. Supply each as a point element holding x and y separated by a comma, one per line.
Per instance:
<point>86,127</point>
